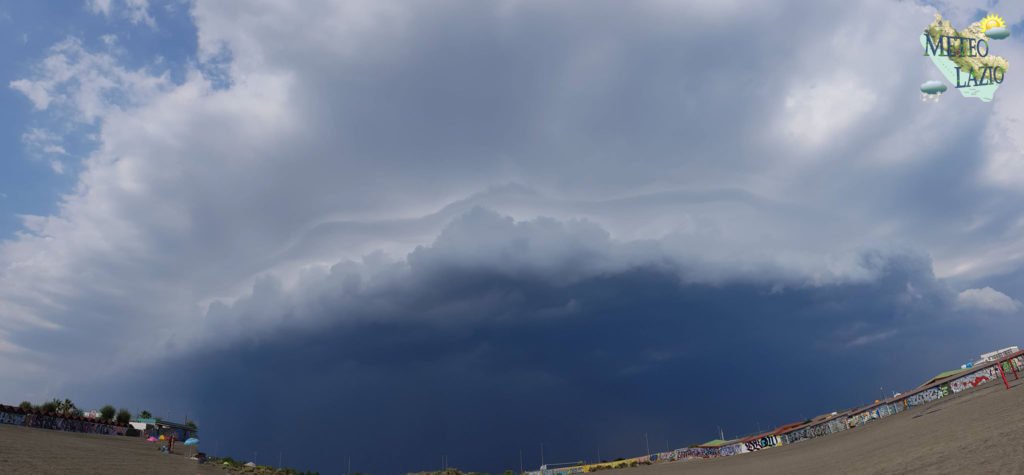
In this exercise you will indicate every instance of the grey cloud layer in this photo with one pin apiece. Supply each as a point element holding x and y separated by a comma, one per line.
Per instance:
<point>348,128</point>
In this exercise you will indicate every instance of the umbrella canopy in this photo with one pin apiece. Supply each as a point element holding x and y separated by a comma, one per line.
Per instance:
<point>162,437</point>
<point>191,441</point>
<point>151,439</point>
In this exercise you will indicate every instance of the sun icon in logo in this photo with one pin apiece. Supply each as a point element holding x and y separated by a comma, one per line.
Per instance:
<point>991,21</point>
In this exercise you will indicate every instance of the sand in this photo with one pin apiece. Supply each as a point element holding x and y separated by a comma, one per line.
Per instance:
<point>976,431</point>
<point>25,450</point>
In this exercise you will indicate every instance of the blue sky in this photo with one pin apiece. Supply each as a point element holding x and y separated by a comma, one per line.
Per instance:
<point>468,228</point>
<point>29,30</point>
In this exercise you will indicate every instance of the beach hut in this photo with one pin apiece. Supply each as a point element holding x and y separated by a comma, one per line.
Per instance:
<point>159,427</point>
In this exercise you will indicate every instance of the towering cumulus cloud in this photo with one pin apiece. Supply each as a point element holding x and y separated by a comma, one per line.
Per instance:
<point>466,228</point>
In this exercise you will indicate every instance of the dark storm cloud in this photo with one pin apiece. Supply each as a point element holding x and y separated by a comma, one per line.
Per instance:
<point>690,229</point>
<point>741,156</point>
<point>474,357</point>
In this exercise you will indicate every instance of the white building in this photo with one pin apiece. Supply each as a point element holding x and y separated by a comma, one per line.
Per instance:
<point>991,356</point>
<point>995,355</point>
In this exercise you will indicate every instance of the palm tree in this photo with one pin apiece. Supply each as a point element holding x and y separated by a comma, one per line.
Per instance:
<point>145,415</point>
<point>51,406</point>
<point>66,407</point>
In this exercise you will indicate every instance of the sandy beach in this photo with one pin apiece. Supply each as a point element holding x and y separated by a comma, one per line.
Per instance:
<point>976,431</point>
<point>25,450</point>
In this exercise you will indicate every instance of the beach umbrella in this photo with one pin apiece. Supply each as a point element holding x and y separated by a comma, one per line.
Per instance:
<point>162,437</point>
<point>151,439</point>
<point>190,442</point>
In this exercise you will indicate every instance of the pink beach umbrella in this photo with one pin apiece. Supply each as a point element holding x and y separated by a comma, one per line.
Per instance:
<point>151,439</point>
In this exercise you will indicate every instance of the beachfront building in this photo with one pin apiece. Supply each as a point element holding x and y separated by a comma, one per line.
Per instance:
<point>991,357</point>
<point>998,354</point>
<point>158,427</point>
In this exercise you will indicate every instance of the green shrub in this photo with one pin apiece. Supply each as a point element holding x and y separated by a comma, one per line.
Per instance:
<point>50,406</point>
<point>123,416</point>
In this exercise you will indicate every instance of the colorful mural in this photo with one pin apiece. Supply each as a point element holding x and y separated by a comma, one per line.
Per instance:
<point>765,442</point>
<point>974,379</point>
<point>732,449</point>
<point>16,416</point>
<point>809,432</point>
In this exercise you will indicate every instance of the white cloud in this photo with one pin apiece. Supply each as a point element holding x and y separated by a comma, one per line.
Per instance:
<point>1003,142</point>
<point>99,6</point>
<point>136,11</point>
<point>814,114</point>
<point>42,144</point>
<point>35,92</point>
<point>962,12</point>
<point>987,299</point>
<point>346,128</point>
<point>872,338</point>
<point>88,85</point>
<point>55,150</point>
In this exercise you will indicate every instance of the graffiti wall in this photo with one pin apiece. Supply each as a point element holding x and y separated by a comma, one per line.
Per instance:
<point>11,418</point>
<point>885,410</point>
<point>923,397</point>
<point>564,471</point>
<point>974,379</point>
<point>664,456</point>
<point>732,449</point>
<point>602,466</point>
<point>697,452</point>
<point>765,442</point>
<point>858,419</point>
<point>632,462</point>
<point>810,432</point>
<point>15,416</point>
